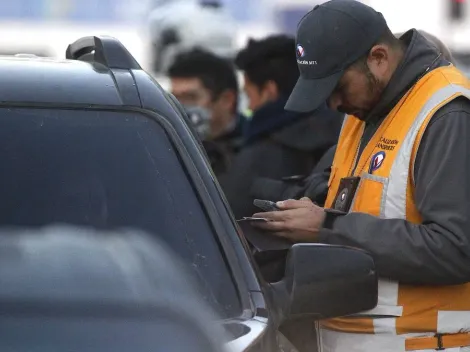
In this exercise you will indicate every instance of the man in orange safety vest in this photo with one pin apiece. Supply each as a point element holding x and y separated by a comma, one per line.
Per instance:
<point>398,186</point>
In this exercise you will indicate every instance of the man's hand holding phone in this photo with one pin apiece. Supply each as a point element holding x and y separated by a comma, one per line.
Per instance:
<point>297,220</point>
<point>262,240</point>
<point>265,205</point>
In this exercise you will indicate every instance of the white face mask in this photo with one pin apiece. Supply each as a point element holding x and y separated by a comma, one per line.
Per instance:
<point>200,118</point>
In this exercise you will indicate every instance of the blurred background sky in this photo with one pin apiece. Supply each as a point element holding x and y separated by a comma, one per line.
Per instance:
<point>46,27</point>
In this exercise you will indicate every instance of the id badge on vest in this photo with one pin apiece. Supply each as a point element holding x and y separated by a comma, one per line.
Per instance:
<point>346,192</point>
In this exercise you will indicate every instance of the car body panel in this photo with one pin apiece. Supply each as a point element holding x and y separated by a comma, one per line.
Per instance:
<point>67,84</point>
<point>42,80</point>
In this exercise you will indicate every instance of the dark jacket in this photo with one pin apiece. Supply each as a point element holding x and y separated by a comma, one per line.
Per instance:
<point>438,250</point>
<point>233,139</point>
<point>278,144</point>
<point>313,186</point>
<point>223,149</point>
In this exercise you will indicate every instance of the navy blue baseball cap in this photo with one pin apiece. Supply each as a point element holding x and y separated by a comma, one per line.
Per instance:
<point>329,39</point>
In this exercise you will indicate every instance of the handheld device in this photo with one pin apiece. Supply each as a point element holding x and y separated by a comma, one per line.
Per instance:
<point>346,192</point>
<point>250,219</point>
<point>266,205</point>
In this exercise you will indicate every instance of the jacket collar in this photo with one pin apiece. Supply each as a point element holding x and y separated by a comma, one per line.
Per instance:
<point>269,118</point>
<point>420,56</point>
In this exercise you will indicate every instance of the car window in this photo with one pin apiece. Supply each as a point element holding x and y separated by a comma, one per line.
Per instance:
<point>164,333</point>
<point>108,170</point>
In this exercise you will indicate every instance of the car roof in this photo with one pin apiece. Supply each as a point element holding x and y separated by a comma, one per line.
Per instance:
<point>45,80</point>
<point>97,71</point>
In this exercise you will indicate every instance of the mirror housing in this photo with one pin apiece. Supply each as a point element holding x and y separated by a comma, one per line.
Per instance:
<point>325,281</point>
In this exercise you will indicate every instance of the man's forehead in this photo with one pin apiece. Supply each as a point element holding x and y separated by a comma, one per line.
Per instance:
<point>185,84</point>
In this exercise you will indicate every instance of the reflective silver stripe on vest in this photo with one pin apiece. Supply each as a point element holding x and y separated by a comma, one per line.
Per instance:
<point>395,201</point>
<point>394,206</point>
<point>345,119</point>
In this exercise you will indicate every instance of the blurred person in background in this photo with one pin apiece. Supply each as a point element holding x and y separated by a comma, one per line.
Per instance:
<point>277,143</point>
<point>176,26</point>
<point>200,79</point>
<point>313,186</point>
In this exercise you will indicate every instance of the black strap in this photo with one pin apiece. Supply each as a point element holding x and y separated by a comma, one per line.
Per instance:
<point>440,345</point>
<point>331,216</point>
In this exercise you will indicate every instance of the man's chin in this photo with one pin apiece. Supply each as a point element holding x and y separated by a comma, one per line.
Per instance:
<point>359,114</point>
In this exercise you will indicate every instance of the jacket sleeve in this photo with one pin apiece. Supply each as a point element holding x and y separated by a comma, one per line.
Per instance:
<point>315,186</point>
<point>276,190</point>
<point>438,250</point>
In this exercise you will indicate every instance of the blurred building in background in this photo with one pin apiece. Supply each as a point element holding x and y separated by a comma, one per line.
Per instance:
<point>46,27</point>
<point>449,20</point>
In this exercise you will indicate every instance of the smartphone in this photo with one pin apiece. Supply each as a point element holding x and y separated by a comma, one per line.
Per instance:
<point>266,205</point>
<point>250,219</point>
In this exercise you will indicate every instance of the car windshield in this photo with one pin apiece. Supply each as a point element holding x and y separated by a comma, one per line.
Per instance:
<point>108,170</point>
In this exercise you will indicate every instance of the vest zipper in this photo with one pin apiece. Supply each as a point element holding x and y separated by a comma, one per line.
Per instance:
<point>356,157</point>
<point>353,168</point>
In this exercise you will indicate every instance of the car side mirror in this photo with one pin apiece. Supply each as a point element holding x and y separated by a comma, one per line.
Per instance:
<point>324,281</point>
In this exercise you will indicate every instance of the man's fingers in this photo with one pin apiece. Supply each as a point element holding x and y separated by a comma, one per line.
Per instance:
<point>294,204</point>
<point>266,215</point>
<point>272,226</point>
<point>288,204</point>
<point>281,216</point>
<point>272,215</point>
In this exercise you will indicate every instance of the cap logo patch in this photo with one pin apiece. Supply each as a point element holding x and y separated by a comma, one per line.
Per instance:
<point>300,51</point>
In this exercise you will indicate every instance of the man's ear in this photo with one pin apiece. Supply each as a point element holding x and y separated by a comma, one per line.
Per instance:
<point>379,53</point>
<point>228,99</point>
<point>379,59</point>
<point>271,91</point>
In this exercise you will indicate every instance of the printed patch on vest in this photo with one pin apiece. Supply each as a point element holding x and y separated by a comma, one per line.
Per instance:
<point>376,162</point>
<point>387,144</point>
<point>341,199</point>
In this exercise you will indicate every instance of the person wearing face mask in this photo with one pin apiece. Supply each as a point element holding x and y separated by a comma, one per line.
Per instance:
<point>277,143</point>
<point>398,187</point>
<point>206,85</point>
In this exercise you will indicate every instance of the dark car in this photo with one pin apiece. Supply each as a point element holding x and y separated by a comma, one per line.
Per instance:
<point>94,141</point>
<point>69,288</point>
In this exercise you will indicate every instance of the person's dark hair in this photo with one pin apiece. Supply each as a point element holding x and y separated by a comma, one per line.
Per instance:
<point>387,38</point>
<point>216,74</point>
<point>270,59</point>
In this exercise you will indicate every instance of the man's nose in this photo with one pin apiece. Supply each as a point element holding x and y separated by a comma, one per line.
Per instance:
<point>334,101</point>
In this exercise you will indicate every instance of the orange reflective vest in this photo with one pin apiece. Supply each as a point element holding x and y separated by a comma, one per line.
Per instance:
<point>387,192</point>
